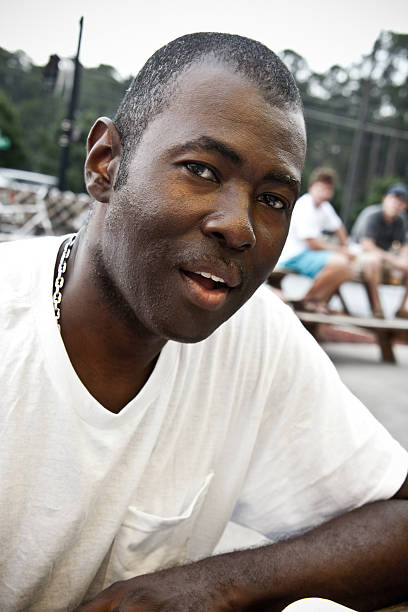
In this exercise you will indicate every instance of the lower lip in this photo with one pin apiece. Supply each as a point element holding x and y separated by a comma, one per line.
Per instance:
<point>207,299</point>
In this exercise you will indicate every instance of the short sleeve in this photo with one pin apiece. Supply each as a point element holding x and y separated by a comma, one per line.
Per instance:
<point>332,221</point>
<point>303,223</point>
<point>319,451</point>
<point>310,221</point>
<point>371,227</point>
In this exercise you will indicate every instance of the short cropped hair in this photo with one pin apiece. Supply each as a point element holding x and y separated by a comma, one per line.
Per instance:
<point>323,175</point>
<point>150,91</point>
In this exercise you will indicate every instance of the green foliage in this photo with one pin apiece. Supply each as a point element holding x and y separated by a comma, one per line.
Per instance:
<point>101,90</point>
<point>379,187</point>
<point>14,156</point>
<point>333,103</point>
<point>31,116</point>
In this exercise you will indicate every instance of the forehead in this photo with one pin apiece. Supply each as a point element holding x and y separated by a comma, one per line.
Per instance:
<point>322,185</point>
<point>394,199</point>
<point>212,100</point>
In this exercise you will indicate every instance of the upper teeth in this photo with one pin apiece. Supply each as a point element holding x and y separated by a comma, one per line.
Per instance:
<point>217,279</point>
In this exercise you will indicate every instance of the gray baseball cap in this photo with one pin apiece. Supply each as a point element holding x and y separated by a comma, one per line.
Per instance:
<point>399,190</point>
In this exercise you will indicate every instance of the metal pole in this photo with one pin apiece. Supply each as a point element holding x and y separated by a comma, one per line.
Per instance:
<point>67,124</point>
<point>353,166</point>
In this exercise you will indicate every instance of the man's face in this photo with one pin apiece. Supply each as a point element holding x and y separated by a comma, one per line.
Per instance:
<point>209,196</point>
<point>392,206</point>
<point>321,192</point>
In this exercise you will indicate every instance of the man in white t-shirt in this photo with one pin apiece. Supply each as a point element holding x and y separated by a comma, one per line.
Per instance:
<point>178,393</point>
<point>307,251</point>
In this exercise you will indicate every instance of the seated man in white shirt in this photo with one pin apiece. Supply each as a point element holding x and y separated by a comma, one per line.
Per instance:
<point>308,253</point>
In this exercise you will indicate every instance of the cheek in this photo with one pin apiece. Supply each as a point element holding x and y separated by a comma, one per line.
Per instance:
<point>270,241</point>
<point>272,232</point>
<point>161,207</point>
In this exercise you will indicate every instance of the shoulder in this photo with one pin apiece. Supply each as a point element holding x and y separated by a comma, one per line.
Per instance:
<point>304,199</point>
<point>304,202</point>
<point>255,337</point>
<point>253,360</point>
<point>374,218</point>
<point>21,260</point>
<point>369,210</point>
<point>328,209</point>
<point>263,309</point>
<point>357,231</point>
<point>18,250</point>
<point>303,209</point>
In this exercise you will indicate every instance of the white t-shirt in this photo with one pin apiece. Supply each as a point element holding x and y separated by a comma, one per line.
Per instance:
<point>252,422</point>
<point>308,221</point>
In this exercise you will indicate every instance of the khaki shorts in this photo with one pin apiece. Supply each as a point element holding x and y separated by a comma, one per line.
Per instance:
<point>390,275</point>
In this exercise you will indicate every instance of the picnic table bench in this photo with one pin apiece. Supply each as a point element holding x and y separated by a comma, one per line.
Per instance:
<point>385,330</point>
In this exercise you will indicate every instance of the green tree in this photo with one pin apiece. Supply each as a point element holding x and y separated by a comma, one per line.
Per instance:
<point>40,113</point>
<point>10,127</point>
<point>332,101</point>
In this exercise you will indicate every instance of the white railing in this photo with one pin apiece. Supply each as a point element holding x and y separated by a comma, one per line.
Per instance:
<point>25,212</point>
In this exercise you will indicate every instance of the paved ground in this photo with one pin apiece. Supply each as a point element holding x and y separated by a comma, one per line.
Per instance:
<point>382,387</point>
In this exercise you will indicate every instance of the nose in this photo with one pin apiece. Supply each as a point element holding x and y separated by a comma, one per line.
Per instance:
<point>230,222</point>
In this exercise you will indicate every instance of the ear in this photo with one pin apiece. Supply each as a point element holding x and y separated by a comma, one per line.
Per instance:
<point>102,161</point>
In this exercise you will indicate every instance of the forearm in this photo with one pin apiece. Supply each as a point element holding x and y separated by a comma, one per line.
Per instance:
<point>342,236</point>
<point>359,559</point>
<point>320,245</point>
<point>315,244</point>
<point>370,247</point>
<point>401,260</point>
<point>396,261</point>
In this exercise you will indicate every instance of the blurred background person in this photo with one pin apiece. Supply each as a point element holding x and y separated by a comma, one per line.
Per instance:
<point>308,252</point>
<point>360,224</point>
<point>382,236</point>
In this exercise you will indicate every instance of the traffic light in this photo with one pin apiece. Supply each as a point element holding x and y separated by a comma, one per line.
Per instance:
<point>50,72</point>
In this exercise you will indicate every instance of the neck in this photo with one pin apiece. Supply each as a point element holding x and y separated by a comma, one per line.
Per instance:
<point>112,358</point>
<point>388,219</point>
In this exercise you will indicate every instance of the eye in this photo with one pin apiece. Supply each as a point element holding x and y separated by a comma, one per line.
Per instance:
<point>201,170</point>
<point>273,201</point>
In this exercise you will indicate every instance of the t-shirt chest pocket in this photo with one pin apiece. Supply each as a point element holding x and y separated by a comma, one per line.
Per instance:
<point>147,542</point>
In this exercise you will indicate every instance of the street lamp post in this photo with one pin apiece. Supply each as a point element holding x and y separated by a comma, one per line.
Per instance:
<point>67,123</point>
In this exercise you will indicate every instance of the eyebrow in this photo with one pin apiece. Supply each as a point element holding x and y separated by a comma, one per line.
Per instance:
<point>286,179</point>
<point>206,143</point>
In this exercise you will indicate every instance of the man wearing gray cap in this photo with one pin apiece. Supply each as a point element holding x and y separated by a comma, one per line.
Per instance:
<point>383,239</point>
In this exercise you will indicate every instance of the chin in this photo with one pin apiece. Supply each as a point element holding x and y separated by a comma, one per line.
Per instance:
<point>190,336</point>
<point>191,331</point>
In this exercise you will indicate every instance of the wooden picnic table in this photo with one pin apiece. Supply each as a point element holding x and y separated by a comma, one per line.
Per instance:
<point>385,330</point>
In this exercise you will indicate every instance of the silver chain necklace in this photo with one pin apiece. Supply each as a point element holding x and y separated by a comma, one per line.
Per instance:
<point>59,281</point>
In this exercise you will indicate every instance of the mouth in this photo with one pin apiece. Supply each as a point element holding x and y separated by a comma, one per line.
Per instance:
<point>207,290</point>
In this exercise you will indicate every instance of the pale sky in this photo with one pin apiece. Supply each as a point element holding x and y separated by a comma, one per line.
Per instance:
<point>125,33</point>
